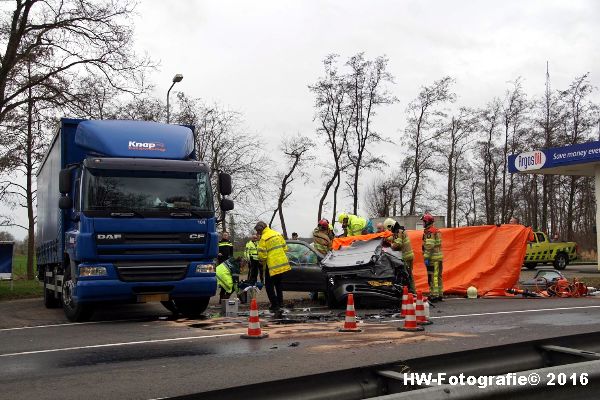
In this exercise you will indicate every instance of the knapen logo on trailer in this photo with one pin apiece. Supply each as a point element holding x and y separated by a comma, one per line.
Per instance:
<point>146,146</point>
<point>530,160</point>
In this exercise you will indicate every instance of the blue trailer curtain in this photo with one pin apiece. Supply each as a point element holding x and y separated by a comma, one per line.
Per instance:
<point>6,258</point>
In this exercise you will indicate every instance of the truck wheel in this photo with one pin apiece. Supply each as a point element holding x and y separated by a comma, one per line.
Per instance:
<point>169,305</point>
<point>192,308</point>
<point>561,261</point>
<point>49,300</point>
<point>530,265</point>
<point>74,311</point>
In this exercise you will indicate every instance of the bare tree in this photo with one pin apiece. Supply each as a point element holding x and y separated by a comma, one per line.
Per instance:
<point>580,117</point>
<point>226,146</point>
<point>297,152</point>
<point>550,115</point>
<point>513,110</point>
<point>62,39</point>
<point>423,123</point>
<point>334,114</point>
<point>367,90</point>
<point>23,141</point>
<point>380,197</point>
<point>453,144</point>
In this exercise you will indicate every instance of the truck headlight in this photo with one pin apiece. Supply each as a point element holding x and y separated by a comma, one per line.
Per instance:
<point>205,268</point>
<point>92,271</point>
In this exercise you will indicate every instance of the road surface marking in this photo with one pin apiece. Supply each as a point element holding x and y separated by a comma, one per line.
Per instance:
<point>77,323</point>
<point>96,346</point>
<point>501,312</point>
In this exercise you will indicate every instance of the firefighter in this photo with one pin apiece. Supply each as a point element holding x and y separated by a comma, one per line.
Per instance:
<point>272,255</point>
<point>323,237</point>
<point>400,241</point>
<point>354,225</point>
<point>228,273</point>
<point>251,257</point>
<point>225,248</point>
<point>432,254</point>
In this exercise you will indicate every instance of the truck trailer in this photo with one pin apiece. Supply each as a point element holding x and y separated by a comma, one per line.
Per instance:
<point>126,214</point>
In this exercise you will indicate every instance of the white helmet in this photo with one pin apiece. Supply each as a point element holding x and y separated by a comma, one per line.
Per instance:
<point>389,223</point>
<point>472,292</point>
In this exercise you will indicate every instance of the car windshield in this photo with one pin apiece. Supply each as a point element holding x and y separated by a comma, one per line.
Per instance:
<point>109,190</point>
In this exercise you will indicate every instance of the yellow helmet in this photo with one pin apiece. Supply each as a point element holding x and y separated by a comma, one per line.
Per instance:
<point>389,223</point>
<point>472,292</point>
<point>342,217</point>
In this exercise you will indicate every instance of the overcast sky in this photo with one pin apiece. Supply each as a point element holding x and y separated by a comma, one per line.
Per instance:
<point>258,57</point>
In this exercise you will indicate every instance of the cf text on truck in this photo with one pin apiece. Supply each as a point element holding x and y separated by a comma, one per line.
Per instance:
<point>126,214</point>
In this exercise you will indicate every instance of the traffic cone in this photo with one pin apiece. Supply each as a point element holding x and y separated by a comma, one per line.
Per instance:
<point>254,331</point>
<point>404,302</point>
<point>410,322</point>
<point>350,320</point>
<point>421,315</point>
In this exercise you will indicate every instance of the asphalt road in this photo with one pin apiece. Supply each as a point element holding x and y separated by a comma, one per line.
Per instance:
<point>140,353</point>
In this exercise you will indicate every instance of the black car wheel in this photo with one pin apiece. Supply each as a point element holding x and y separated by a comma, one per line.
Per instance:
<point>530,265</point>
<point>561,261</point>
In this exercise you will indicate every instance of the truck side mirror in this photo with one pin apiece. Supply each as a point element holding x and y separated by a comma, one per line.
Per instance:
<point>226,205</point>
<point>65,202</point>
<point>225,184</point>
<point>64,181</point>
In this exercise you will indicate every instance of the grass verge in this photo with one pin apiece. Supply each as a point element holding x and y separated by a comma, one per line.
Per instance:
<point>21,289</point>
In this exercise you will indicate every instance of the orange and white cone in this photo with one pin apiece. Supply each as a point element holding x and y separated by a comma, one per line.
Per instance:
<point>421,315</point>
<point>350,320</point>
<point>410,321</point>
<point>254,331</point>
<point>404,302</point>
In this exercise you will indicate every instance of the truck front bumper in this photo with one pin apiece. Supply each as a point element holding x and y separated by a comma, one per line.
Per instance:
<point>109,290</point>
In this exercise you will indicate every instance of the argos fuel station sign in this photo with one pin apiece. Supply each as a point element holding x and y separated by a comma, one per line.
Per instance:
<point>556,157</point>
<point>530,160</point>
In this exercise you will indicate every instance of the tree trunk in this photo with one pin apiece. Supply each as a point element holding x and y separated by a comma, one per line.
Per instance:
<point>449,201</point>
<point>326,192</point>
<point>335,192</point>
<point>282,220</point>
<point>29,194</point>
<point>570,206</point>
<point>356,172</point>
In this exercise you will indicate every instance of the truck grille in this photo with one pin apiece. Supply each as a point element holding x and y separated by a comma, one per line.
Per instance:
<point>158,272</point>
<point>146,252</point>
<point>147,244</point>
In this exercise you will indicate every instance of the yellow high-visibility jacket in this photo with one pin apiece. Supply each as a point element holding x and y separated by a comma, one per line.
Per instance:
<point>251,251</point>
<point>355,225</point>
<point>271,252</point>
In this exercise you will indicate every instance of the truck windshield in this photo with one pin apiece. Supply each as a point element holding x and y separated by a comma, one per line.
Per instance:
<point>139,191</point>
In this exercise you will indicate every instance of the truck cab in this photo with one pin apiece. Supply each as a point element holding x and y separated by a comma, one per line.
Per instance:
<point>126,214</point>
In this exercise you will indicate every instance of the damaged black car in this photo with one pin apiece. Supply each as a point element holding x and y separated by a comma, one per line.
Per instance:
<point>371,272</point>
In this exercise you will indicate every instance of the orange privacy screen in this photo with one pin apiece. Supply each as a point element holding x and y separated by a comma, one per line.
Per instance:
<point>487,257</point>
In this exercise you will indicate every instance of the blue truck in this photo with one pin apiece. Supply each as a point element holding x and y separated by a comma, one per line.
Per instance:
<point>125,213</point>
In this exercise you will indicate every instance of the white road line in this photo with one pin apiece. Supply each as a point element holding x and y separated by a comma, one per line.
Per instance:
<point>71,324</point>
<point>96,346</point>
<point>501,312</point>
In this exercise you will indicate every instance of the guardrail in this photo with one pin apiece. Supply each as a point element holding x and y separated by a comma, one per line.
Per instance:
<point>556,361</point>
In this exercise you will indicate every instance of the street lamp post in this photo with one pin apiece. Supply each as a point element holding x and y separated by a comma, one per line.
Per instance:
<point>176,78</point>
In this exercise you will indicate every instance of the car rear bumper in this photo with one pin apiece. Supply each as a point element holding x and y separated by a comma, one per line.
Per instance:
<point>363,290</point>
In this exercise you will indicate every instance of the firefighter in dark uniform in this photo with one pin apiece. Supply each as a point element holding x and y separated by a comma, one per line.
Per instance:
<point>225,248</point>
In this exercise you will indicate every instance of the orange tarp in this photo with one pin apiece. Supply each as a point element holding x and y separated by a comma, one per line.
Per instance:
<point>488,257</point>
